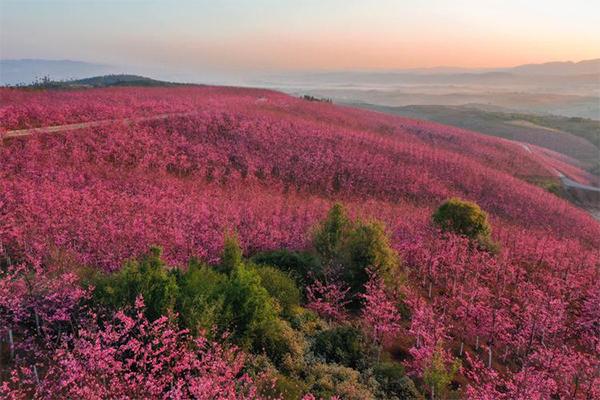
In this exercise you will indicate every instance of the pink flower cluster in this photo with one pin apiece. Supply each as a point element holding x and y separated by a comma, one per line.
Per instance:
<point>329,299</point>
<point>130,358</point>
<point>380,314</point>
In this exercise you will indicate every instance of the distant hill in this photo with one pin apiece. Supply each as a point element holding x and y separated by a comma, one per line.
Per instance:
<point>100,81</point>
<point>26,71</point>
<point>586,67</point>
<point>119,80</point>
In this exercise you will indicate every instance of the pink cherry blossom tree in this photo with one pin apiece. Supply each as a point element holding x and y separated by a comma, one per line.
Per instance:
<point>329,300</point>
<point>380,316</point>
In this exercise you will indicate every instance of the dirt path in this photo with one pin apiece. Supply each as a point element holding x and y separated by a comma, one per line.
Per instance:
<point>584,196</point>
<point>566,181</point>
<point>81,125</point>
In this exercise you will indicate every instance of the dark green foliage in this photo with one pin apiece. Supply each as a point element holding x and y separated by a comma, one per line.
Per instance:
<point>147,277</point>
<point>249,310</point>
<point>344,345</point>
<point>281,287</point>
<point>200,302</point>
<point>351,247</point>
<point>486,243</point>
<point>211,301</point>
<point>299,264</point>
<point>327,380</point>
<point>312,98</point>
<point>283,345</point>
<point>462,217</point>
<point>555,188</point>
<point>251,315</point>
<point>232,254</point>
<point>248,301</point>
<point>98,81</point>
<point>367,245</point>
<point>307,322</point>
<point>329,235</point>
<point>467,219</point>
<point>393,382</point>
<point>286,388</point>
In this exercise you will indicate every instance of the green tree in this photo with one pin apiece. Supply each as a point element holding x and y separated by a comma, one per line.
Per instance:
<point>330,233</point>
<point>439,374</point>
<point>232,254</point>
<point>355,246</point>
<point>367,245</point>
<point>393,382</point>
<point>281,287</point>
<point>344,345</point>
<point>252,317</point>
<point>249,309</point>
<point>200,302</point>
<point>301,265</point>
<point>462,217</point>
<point>147,277</point>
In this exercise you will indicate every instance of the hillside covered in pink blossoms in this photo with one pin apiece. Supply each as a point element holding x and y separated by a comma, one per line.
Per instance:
<point>523,322</point>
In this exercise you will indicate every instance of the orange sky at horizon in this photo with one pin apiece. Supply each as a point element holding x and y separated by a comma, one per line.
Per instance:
<point>311,34</point>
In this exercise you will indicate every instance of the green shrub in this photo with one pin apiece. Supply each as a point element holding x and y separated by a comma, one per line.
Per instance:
<point>284,346</point>
<point>200,303</point>
<point>330,233</point>
<point>486,243</point>
<point>355,246</point>
<point>344,345</point>
<point>327,380</point>
<point>367,245</point>
<point>249,310</point>
<point>147,277</point>
<point>287,388</point>
<point>281,287</point>
<point>251,315</point>
<point>307,322</point>
<point>393,382</point>
<point>232,254</point>
<point>462,217</point>
<point>467,219</point>
<point>299,264</point>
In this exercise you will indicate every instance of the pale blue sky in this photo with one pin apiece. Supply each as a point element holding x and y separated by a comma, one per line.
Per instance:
<point>301,34</point>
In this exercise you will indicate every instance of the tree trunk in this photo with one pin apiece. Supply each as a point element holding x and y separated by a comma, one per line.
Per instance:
<point>37,322</point>
<point>35,373</point>
<point>462,347</point>
<point>11,343</point>
<point>490,356</point>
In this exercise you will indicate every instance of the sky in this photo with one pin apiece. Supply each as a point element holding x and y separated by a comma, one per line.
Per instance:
<point>281,35</point>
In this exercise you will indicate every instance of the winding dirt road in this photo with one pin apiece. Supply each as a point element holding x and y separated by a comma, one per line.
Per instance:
<point>82,125</point>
